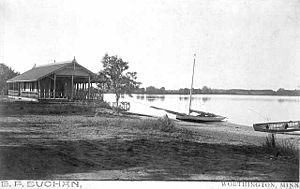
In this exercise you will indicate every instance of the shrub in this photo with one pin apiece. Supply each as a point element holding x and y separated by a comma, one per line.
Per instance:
<point>163,124</point>
<point>166,124</point>
<point>102,104</point>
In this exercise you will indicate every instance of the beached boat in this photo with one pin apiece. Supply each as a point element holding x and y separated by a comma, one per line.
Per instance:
<point>198,118</point>
<point>277,127</point>
<point>200,115</point>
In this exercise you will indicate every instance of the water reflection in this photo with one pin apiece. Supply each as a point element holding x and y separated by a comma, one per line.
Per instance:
<point>251,109</point>
<point>265,98</point>
<point>204,99</point>
<point>152,98</point>
<point>184,98</point>
<point>282,100</point>
<point>140,97</point>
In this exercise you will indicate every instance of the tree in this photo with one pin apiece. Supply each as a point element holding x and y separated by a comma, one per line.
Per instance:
<point>6,73</point>
<point>281,91</point>
<point>151,90</point>
<point>102,82</point>
<point>115,78</point>
<point>206,90</point>
<point>162,90</point>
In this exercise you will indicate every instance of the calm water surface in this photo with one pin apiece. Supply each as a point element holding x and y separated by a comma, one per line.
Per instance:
<point>239,109</point>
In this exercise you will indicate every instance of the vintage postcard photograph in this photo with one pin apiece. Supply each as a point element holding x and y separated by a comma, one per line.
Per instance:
<point>149,90</point>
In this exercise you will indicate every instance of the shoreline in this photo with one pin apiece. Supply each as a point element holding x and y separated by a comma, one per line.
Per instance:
<point>136,148</point>
<point>214,94</point>
<point>234,133</point>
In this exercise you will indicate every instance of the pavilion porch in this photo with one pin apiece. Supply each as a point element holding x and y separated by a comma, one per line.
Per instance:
<point>53,87</point>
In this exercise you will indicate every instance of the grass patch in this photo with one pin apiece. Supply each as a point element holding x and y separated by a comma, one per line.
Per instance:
<point>165,124</point>
<point>51,108</point>
<point>162,124</point>
<point>163,128</point>
<point>283,147</point>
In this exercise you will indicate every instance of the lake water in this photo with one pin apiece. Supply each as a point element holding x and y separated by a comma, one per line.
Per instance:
<point>240,109</point>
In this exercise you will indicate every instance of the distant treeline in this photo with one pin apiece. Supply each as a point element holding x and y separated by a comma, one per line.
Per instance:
<point>207,90</point>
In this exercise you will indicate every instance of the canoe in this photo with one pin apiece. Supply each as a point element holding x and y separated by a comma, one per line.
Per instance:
<point>199,118</point>
<point>284,126</point>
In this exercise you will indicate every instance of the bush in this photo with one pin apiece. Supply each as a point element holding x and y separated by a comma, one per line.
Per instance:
<point>102,104</point>
<point>162,124</point>
<point>166,124</point>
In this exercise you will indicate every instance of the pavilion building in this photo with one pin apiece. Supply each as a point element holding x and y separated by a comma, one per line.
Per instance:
<point>59,80</point>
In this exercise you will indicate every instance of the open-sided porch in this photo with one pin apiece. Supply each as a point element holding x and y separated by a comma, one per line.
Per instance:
<point>67,80</point>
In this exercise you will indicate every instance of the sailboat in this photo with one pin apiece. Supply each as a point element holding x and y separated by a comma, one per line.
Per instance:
<point>200,115</point>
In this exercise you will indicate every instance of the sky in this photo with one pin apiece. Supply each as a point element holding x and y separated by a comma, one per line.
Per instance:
<point>248,44</point>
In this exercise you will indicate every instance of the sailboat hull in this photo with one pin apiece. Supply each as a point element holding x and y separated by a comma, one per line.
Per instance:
<point>192,118</point>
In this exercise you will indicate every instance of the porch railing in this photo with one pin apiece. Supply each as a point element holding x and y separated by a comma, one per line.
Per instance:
<point>67,94</point>
<point>29,94</point>
<point>13,93</point>
<point>46,94</point>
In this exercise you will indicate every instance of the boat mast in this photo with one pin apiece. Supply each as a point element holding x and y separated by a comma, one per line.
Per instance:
<point>191,90</point>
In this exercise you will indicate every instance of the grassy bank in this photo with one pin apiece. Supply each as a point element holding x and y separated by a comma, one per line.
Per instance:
<point>49,107</point>
<point>122,147</point>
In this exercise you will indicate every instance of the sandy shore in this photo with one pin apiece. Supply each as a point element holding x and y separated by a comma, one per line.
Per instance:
<point>134,148</point>
<point>230,133</point>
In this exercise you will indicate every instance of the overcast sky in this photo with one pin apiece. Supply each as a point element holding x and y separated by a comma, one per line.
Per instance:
<point>250,44</point>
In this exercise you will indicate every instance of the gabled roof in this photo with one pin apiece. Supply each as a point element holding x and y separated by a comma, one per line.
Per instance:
<point>42,71</point>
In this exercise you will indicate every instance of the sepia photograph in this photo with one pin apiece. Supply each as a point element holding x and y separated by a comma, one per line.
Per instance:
<point>196,91</point>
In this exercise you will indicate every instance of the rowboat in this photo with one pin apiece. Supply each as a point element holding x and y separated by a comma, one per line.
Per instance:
<point>277,127</point>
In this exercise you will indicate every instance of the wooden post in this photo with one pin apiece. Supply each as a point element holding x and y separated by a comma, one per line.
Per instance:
<point>39,89</point>
<point>22,88</point>
<point>89,88</point>
<point>19,90</point>
<point>72,85</point>
<point>30,87</point>
<point>50,88</point>
<point>2,91</point>
<point>54,87</point>
<point>77,89</point>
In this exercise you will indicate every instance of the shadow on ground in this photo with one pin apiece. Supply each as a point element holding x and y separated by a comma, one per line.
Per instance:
<point>161,160</point>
